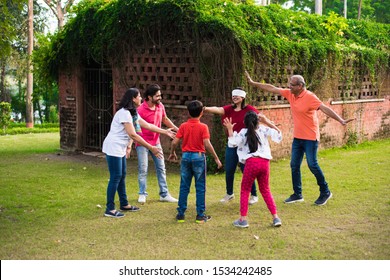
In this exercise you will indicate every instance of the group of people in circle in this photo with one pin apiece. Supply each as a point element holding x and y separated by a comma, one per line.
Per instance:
<point>248,132</point>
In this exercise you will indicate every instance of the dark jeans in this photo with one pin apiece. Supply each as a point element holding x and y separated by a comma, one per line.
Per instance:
<point>117,168</point>
<point>308,147</point>
<point>231,161</point>
<point>193,164</point>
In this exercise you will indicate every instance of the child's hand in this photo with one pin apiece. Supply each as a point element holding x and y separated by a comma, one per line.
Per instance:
<point>219,164</point>
<point>227,122</point>
<point>172,157</point>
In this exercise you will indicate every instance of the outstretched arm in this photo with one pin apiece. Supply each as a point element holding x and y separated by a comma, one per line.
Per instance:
<point>169,124</point>
<point>214,110</point>
<point>329,112</point>
<point>129,127</point>
<point>152,127</point>
<point>209,147</point>
<point>263,119</point>
<point>264,87</point>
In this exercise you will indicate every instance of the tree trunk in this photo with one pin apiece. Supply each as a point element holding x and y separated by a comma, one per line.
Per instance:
<point>345,8</point>
<point>359,9</point>
<point>29,105</point>
<point>318,7</point>
<point>60,16</point>
<point>2,82</point>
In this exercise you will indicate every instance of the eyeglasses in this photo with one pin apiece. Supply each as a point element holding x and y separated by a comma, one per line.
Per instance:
<point>292,85</point>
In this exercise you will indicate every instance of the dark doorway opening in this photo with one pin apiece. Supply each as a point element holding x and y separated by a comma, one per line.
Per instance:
<point>98,100</point>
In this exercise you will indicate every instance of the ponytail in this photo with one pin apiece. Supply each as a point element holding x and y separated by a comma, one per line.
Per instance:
<point>252,139</point>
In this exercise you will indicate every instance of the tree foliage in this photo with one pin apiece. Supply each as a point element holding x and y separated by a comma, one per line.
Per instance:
<point>105,30</point>
<point>5,115</point>
<point>374,10</point>
<point>13,62</point>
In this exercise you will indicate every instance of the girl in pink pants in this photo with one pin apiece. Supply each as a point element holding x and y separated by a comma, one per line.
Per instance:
<point>254,151</point>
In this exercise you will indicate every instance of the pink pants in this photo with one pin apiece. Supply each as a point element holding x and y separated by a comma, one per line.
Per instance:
<point>256,168</point>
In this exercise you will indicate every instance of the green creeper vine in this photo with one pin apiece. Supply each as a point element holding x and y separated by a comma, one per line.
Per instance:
<point>225,34</point>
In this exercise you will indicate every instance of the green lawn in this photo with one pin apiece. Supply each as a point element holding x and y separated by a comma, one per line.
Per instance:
<point>50,209</point>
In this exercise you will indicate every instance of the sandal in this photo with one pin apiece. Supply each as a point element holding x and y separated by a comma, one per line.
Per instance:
<point>130,209</point>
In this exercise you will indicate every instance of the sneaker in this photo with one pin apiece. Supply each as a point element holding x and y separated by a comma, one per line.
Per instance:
<point>130,209</point>
<point>277,222</point>
<point>294,198</point>
<point>142,198</point>
<point>323,199</point>
<point>227,198</point>
<point>168,198</point>
<point>253,200</point>
<point>202,219</point>
<point>180,218</point>
<point>241,223</point>
<point>116,214</point>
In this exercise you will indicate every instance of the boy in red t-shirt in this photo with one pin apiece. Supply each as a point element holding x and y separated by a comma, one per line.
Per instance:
<point>196,140</point>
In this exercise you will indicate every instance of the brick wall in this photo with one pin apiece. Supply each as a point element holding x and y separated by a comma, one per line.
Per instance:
<point>71,109</point>
<point>372,121</point>
<point>178,75</point>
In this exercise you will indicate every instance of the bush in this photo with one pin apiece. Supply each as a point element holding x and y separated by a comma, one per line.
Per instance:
<point>5,115</point>
<point>20,128</point>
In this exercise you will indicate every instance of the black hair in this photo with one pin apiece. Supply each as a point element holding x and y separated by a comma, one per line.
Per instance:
<point>151,91</point>
<point>243,105</point>
<point>195,108</point>
<point>127,101</point>
<point>251,122</point>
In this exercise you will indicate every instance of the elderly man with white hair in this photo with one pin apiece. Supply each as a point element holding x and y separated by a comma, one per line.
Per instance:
<point>304,106</point>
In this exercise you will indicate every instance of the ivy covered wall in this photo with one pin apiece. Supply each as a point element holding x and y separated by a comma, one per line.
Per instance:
<point>199,49</point>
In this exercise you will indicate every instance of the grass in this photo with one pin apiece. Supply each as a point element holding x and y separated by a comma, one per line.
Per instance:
<point>50,209</point>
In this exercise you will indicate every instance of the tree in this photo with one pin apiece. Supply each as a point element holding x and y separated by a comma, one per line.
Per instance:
<point>30,81</point>
<point>10,12</point>
<point>376,10</point>
<point>59,9</point>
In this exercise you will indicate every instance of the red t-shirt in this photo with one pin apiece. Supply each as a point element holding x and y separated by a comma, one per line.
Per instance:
<point>193,132</point>
<point>237,116</point>
<point>304,112</point>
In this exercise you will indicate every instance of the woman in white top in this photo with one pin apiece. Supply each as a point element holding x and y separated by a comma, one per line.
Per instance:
<point>253,150</point>
<point>117,145</point>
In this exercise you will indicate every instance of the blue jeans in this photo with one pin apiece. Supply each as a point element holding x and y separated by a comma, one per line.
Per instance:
<point>142,154</point>
<point>308,147</point>
<point>231,161</point>
<point>117,168</point>
<point>193,164</point>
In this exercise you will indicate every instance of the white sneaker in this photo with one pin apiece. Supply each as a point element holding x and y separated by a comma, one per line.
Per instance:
<point>142,198</point>
<point>227,198</point>
<point>168,198</point>
<point>253,200</point>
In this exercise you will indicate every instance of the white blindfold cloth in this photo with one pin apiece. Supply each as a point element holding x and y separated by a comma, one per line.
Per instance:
<point>239,92</point>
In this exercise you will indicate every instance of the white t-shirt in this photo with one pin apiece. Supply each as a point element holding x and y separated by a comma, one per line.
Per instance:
<point>239,140</point>
<point>117,138</point>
